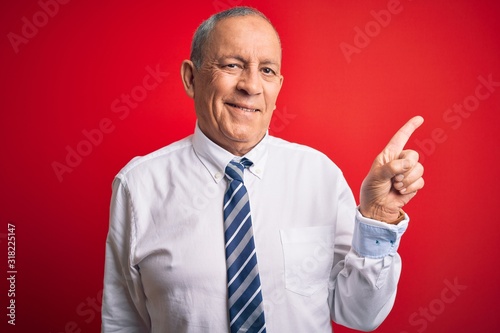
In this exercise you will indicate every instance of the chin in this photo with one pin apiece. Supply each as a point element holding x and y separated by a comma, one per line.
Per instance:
<point>240,138</point>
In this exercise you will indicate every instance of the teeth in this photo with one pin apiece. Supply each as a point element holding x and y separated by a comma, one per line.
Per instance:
<point>244,109</point>
<point>248,110</point>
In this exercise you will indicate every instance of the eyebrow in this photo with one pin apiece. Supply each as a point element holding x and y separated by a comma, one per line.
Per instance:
<point>240,58</point>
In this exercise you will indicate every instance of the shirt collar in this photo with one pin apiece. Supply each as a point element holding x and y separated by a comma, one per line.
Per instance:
<point>215,158</point>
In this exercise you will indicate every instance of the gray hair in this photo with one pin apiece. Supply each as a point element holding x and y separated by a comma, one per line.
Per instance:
<point>202,34</point>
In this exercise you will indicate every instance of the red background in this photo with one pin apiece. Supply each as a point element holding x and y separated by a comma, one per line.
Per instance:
<point>64,79</point>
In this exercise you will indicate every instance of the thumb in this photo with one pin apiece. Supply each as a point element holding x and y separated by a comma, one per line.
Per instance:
<point>395,167</point>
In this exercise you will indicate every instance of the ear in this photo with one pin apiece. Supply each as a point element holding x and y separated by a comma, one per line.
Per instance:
<point>187,76</point>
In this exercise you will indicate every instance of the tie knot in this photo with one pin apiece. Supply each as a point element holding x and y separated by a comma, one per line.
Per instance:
<point>235,168</point>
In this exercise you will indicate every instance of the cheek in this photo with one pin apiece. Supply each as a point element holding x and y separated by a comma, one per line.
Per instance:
<point>216,90</point>
<point>204,98</point>
<point>272,97</point>
<point>273,89</point>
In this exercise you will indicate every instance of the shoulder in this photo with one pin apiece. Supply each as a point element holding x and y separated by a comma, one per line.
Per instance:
<point>298,153</point>
<point>280,146</point>
<point>162,157</point>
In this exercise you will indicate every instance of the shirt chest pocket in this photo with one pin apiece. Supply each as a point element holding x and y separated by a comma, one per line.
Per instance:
<point>308,255</point>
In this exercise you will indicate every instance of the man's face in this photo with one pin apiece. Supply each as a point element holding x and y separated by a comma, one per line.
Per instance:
<point>236,87</point>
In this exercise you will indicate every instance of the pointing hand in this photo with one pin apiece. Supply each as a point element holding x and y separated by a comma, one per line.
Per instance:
<point>394,178</point>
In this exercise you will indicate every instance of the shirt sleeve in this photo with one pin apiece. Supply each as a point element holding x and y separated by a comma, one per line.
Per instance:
<point>124,303</point>
<point>367,267</point>
<point>375,239</point>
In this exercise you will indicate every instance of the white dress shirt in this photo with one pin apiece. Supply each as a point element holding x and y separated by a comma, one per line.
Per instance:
<point>318,258</point>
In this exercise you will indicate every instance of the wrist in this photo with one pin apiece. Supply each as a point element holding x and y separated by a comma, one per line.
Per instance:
<point>383,216</point>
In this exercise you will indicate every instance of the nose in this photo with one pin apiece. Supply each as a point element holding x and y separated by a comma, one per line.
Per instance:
<point>250,81</point>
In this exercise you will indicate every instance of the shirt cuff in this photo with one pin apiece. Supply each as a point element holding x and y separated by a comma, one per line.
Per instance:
<point>375,239</point>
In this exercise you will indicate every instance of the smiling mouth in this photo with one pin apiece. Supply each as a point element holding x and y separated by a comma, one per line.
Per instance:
<point>242,108</point>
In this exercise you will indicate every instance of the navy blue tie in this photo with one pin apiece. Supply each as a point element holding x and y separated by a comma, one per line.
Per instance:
<point>246,308</point>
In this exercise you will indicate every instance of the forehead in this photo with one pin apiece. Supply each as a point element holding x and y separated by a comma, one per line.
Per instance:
<point>245,36</point>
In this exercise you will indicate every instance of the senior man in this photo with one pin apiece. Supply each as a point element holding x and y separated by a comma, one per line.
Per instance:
<point>233,230</point>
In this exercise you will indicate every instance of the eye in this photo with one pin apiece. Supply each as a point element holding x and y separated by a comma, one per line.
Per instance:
<point>268,71</point>
<point>231,66</point>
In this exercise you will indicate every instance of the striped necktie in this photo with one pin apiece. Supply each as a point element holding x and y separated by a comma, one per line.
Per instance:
<point>246,309</point>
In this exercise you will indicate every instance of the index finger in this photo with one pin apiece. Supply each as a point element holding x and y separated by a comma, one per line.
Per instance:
<point>399,140</point>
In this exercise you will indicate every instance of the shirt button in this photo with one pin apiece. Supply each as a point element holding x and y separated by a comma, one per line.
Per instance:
<point>218,175</point>
<point>258,171</point>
